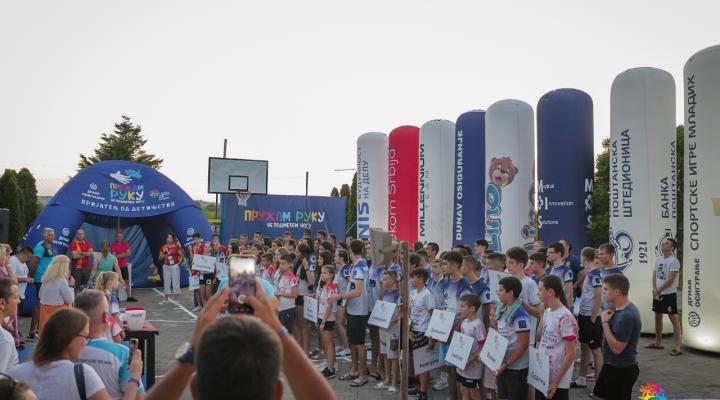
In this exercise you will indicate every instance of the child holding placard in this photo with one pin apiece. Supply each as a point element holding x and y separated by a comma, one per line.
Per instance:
<point>326,318</point>
<point>469,379</point>
<point>421,306</point>
<point>559,334</point>
<point>513,323</point>
<point>390,337</point>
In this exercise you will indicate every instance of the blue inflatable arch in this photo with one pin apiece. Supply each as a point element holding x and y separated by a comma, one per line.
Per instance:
<point>144,203</point>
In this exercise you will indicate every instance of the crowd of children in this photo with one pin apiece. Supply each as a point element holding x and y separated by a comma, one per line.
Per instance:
<point>525,296</point>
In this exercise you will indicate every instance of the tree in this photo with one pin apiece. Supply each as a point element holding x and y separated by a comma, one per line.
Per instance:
<point>680,190</point>
<point>334,192</point>
<point>125,143</point>
<point>11,198</point>
<point>31,208</point>
<point>351,219</point>
<point>599,226</point>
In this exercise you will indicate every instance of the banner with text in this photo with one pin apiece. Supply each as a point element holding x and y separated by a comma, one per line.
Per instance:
<point>274,214</point>
<point>469,210</point>
<point>642,176</point>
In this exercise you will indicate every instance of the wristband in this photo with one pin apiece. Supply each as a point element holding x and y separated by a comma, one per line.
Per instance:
<point>282,332</point>
<point>135,381</point>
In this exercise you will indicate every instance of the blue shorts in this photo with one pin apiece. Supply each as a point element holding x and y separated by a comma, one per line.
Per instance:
<point>442,351</point>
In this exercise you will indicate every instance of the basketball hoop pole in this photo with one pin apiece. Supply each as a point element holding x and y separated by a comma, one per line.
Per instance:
<point>216,195</point>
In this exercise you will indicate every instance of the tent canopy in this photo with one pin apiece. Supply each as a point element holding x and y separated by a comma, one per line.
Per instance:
<point>121,195</point>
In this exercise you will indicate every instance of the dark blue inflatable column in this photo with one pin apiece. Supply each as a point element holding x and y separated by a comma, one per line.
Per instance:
<point>469,199</point>
<point>64,220</point>
<point>565,161</point>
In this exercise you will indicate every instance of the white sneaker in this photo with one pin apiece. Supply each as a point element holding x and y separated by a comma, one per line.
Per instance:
<point>392,390</point>
<point>441,383</point>
<point>381,385</point>
<point>344,352</point>
<point>580,382</point>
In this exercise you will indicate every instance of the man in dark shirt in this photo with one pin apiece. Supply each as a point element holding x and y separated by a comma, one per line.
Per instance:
<point>621,328</point>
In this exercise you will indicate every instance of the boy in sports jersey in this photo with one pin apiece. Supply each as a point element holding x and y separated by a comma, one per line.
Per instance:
<point>606,254</point>
<point>390,337</point>
<point>559,334</point>
<point>538,263</point>
<point>342,280</point>
<point>287,291</point>
<point>374,289</point>
<point>456,287</point>
<point>555,256</point>
<point>517,258</point>
<point>493,262</point>
<point>421,306</point>
<point>471,271</point>
<point>621,329</point>
<point>436,282</point>
<point>357,315</point>
<point>513,323</point>
<point>470,378</point>
<point>480,246</point>
<point>590,329</point>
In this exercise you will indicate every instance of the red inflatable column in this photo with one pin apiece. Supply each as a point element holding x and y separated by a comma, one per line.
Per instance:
<point>403,183</point>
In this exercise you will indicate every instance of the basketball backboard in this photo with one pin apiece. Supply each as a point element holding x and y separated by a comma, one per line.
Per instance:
<point>230,175</point>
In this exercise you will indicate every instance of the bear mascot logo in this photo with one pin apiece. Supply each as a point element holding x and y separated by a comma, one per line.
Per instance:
<point>502,171</point>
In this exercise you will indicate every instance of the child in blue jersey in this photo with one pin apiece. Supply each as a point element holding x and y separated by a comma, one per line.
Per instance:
<point>538,264</point>
<point>390,337</point>
<point>555,255</point>
<point>513,323</point>
<point>342,280</point>
<point>517,258</point>
<point>471,271</point>
<point>456,287</point>
<point>590,328</point>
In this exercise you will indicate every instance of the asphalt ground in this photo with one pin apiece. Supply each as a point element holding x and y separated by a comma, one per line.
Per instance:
<point>693,375</point>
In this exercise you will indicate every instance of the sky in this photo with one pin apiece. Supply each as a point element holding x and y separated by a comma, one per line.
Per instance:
<point>296,82</point>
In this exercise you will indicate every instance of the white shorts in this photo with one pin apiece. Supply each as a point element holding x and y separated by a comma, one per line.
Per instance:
<point>389,344</point>
<point>489,379</point>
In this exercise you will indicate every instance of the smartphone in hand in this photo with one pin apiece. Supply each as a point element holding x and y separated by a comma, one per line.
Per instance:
<point>241,281</point>
<point>134,343</point>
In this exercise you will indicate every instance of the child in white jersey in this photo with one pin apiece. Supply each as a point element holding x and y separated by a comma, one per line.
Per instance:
<point>326,317</point>
<point>559,334</point>
<point>469,379</point>
<point>287,291</point>
<point>421,306</point>
<point>390,337</point>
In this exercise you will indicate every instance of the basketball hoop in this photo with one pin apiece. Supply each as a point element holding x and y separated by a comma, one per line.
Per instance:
<point>242,197</point>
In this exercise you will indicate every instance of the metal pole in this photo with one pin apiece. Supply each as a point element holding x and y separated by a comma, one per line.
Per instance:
<point>405,326</point>
<point>216,195</point>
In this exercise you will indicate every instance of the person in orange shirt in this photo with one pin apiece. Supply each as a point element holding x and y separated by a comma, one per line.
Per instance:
<point>171,256</point>
<point>81,250</point>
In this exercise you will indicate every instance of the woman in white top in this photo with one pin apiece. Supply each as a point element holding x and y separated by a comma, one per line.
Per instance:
<point>57,290</point>
<point>51,374</point>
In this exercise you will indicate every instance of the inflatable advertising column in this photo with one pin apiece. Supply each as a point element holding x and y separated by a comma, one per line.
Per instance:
<point>402,183</point>
<point>469,209</point>
<point>701,304</point>
<point>565,166</point>
<point>372,183</point>
<point>509,163</point>
<point>642,177</point>
<point>435,183</point>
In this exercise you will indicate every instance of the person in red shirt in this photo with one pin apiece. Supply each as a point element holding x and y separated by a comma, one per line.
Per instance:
<point>81,250</point>
<point>121,250</point>
<point>171,256</point>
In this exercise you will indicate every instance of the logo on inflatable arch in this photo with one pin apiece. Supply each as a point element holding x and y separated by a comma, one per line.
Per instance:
<point>502,172</point>
<point>123,192</point>
<point>624,245</point>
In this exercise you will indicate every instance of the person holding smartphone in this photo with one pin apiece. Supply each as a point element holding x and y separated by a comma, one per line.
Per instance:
<point>119,369</point>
